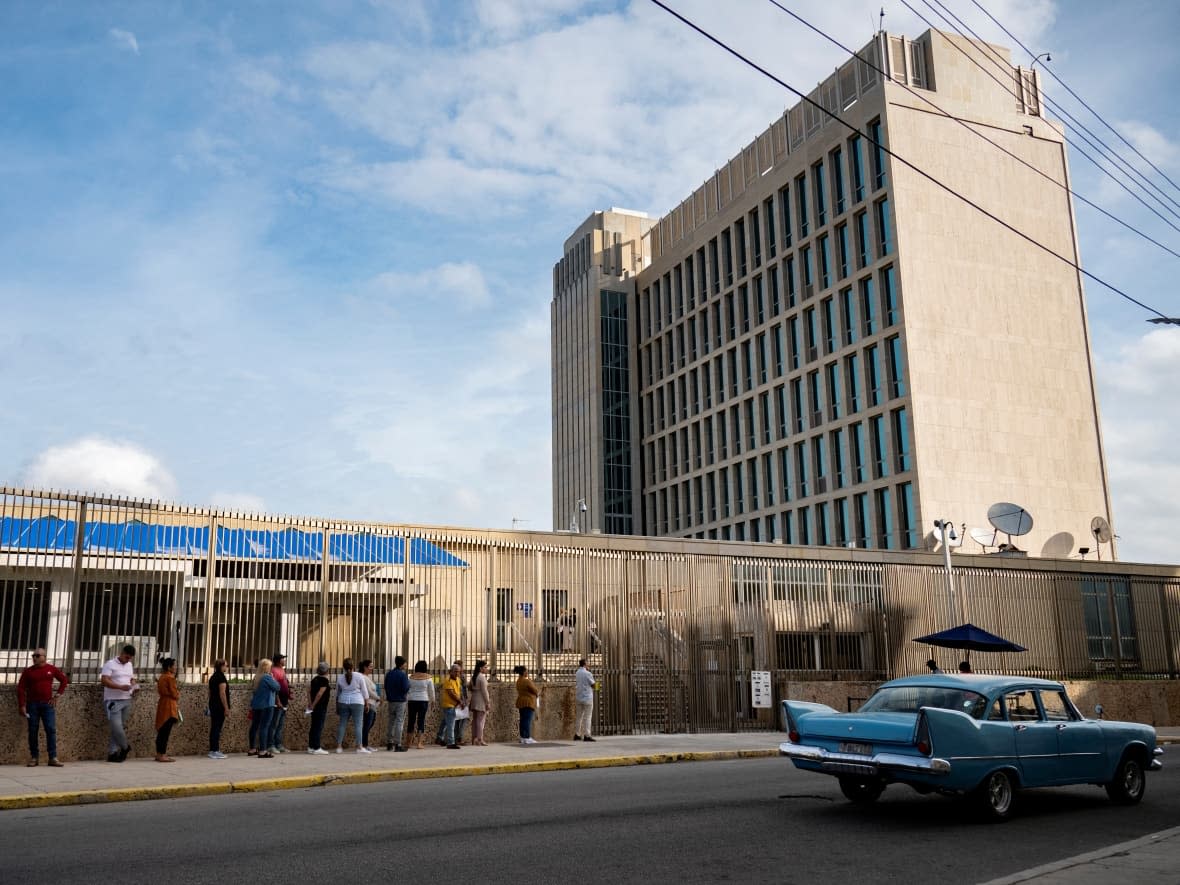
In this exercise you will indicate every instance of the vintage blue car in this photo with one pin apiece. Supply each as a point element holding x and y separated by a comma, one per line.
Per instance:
<point>980,736</point>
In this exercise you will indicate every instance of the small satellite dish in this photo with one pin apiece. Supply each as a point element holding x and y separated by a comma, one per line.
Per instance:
<point>1100,529</point>
<point>1011,519</point>
<point>985,538</point>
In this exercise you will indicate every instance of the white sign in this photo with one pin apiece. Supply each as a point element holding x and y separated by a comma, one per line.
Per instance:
<point>760,692</point>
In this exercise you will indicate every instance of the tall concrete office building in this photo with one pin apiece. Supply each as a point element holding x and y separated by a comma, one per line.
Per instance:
<point>825,346</point>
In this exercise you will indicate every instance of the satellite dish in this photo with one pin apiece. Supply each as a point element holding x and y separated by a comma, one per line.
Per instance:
<point>1011,519</point>
<point>985,538</point>
<point>1100,529</point>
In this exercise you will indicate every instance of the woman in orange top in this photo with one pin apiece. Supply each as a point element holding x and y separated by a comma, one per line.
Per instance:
<point>167,708</point>
<point>526,702</point>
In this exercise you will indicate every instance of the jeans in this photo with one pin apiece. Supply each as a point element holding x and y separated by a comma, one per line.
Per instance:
<point>278,719</point>
<point>526,721</point>
<point>260,728</point>
<point>162,734</point>
<point>216,723</point>
<point>448,725</point>
<point>315,734</point>
<point>42,711</point>
<point>582,718</point>
<point>370,718</point>
<point>396,726</point>
<point>117,712</point>
<point>355,712</point>
<point>418,715</point>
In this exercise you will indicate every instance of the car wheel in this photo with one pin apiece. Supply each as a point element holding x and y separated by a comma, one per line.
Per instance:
<point>861,790</point>
<point>1129,783</point>
<point>996,796</point>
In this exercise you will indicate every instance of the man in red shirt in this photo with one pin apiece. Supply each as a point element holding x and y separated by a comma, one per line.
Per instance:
<point>35,701</point>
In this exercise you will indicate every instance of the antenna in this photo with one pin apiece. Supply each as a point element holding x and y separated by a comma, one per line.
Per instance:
<point>882,25</point>
<point>1011,519</point>
<point>1100,529</point>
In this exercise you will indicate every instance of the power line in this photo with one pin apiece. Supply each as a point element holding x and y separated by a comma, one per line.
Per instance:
<point>1065,86</point>
<point>1089,137</point>
<point>975,131</point>
<point>868,136</point>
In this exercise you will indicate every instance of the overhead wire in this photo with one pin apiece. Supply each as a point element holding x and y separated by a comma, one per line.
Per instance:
<point>917,94</point>
<point>1082,131</point>
<point>717,41</point>
<point>1080,100</point>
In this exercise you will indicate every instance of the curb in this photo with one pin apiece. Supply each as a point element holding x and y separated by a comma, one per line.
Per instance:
<point>299,782</point>
<point>1083,859</point>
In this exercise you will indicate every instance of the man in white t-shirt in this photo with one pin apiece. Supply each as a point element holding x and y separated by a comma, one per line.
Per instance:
<point>584,685</point>
<point>118,685</point>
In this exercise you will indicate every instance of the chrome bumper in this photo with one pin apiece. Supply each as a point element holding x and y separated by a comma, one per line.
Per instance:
<point>1156,763</point>
<point>869,766</point>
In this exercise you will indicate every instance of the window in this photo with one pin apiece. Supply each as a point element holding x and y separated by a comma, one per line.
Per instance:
<point>821,196</point>
<point>739,235</point>
<point>868,307</point>
<point>837,160</point>
<point>723,476</point>
<point>736,421</point>
<point>767,424</point>
<point>1110,619</point>
<point>884,231</point>
<point>855,153</point>
<point>1055,707</point>
<point>843,527</point>
<point>734,383</point>
<point>872,362</point>
<point>832,372</point>
<point>743,299</point>
<point>842,265</point>
<point>731,319</point>
<point>722,439</point>
<point>812,340</point>
<point>828,312</point>
<point>823,524</point>
<point>808,272</point>
<point>689,288</point>
<point>785,205</point>
<point>715,265</point>
<point>897,385</point>
<point>819,458</point>
<point>906,516</point>
<point>718,329</point>
<point>788,527</point>
<point>801,470</point>
<point>707,384</point>
<point>859,473</point>
<point>825,262</point>
<point>797,404</point>
<point>804,525</point>
<point>739,492</point>
<point>877,437</point>
<point>789,275</point>
<point>768,486</point>
<point>771,234</point>
<point>889,296</point>
<point>860,510</point>
<point>878,137</point>
<point>747,366</point>
<point>727,256</point>
<point>751,427</point>
<point>778,350</point>
<point>864,256</point>
<point>780,402</point>
<point>784,472</point>
<point>775,300</point>
<point>901,440</point>
<point>759,301</point>
<point>801,205</point>
<point>814,398</point>
<point>760,346</point>
<point>885,533</point>
<point>793,340</point>
<point>848,315</point>
<point>752,486</point>
<point>839,462</point>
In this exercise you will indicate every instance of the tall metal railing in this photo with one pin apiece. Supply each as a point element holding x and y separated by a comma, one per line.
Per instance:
<point>674,629</point>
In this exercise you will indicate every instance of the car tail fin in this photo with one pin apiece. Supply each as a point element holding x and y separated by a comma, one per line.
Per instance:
<point>922,735</point>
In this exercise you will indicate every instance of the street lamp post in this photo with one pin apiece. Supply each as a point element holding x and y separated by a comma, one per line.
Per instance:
<point>580,508</point>
<point>947,531</point>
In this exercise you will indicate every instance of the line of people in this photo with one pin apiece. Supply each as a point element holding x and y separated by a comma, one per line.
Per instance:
<point>409,696</point>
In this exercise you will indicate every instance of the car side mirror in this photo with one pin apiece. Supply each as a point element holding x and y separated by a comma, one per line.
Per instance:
<point>1098,710</point>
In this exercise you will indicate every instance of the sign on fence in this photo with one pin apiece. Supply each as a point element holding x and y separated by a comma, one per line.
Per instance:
<point>760,692</point>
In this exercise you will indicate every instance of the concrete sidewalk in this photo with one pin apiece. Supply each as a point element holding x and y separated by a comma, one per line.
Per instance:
<point>90,782</point>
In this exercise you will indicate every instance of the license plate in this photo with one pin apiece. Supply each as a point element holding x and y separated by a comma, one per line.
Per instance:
<point>856,748</point>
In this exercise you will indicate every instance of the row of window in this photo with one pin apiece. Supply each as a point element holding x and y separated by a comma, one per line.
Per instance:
<point>884,518</point>
<point>862,452</point>
<point>860,380</point>
<point>738,249</point>
<point>839,320</point>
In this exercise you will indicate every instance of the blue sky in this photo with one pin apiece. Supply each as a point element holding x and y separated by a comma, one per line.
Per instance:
<point>297,257</point>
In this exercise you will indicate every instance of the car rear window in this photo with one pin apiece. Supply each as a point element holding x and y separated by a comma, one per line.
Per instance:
<point>911,698</point>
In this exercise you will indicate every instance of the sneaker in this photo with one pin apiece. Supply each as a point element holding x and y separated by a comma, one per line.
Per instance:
<point>339,749</point>
<point>274,751</point>
<point>213,754</point>
<point>32,763</point>
<point>280,749</point>
<point>320,752</point>
<point>266,755</point>
<point>310,751</point>
<point>523,741</point>
<point>363,750</point>
<point>530,741</point>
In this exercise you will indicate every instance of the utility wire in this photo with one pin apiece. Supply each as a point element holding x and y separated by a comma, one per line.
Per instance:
<point>1122,165</point>
<point>1065,86</point>
<point>717,41</point>
<point>917,94</point>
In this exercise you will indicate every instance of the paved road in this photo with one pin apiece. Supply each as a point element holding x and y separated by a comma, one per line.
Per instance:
<point>748,820</point>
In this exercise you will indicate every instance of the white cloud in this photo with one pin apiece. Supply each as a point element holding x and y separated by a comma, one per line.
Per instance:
<point>124,40</point>
<point>95,464</point>
<point>449,283</point>
<point>1140,415</point>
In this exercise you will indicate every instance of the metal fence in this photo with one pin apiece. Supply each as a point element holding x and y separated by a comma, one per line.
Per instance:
<point>674,629</point>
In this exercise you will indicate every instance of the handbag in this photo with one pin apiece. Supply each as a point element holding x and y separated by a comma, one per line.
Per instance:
<point>462,713</point>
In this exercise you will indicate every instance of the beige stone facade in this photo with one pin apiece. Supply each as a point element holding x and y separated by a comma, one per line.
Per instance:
<point>832,349</point>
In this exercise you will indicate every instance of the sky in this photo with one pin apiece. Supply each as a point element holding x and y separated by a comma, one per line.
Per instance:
<point>296,258</point>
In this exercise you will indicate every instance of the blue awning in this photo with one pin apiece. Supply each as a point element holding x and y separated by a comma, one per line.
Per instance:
<point>51,533</point>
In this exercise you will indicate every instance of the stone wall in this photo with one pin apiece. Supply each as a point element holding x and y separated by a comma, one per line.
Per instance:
<point>82,730</point>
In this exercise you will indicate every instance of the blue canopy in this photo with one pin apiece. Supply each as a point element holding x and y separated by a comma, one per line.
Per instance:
<point>970,637</point>
<point>285,545</point>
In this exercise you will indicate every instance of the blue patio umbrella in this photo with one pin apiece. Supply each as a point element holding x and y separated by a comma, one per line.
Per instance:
<point>971,638</point>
